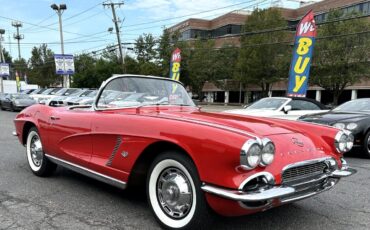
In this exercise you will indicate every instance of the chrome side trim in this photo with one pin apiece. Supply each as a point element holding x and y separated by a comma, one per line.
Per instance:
<point>115,150</point>
<point>88,172</point>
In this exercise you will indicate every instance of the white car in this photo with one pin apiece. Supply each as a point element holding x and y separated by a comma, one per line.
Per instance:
<point>290,108</point>
<point>45,95</point>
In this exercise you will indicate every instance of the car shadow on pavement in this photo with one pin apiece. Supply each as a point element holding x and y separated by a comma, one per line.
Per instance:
<point>129,193</point>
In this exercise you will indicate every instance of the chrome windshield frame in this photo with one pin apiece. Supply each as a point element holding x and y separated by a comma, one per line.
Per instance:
<point>116,76</point>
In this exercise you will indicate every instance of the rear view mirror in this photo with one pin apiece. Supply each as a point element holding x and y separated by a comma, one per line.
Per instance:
<point>287,108</point>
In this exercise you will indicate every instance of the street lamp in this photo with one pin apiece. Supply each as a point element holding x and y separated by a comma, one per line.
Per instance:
<point>59,9</point>
<point>2,59</point>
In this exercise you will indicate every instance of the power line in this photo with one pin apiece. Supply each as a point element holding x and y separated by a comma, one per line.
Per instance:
<point>193,14</point>
<point>39,23</point>
<point>115,20</point>
<point>76,15</point>
<point>263,2</point>
<point>49,28</point>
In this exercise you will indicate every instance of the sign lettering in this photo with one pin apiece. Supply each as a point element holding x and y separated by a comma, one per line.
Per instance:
<point>302,54</point>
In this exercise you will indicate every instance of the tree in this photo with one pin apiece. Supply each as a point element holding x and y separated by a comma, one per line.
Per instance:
<point>145,48</point>
<point>205,64</point>
<point>7,57</point>
<point>165,50</point>
<point>263,58</point>
<point>147,56</point>
<point>341,54</point>
<point>20,66</point>
<point>42,67</point>
<point>85,72</point>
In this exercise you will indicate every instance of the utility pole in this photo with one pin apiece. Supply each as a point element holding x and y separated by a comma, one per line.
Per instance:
<point>60,9</point>
<point>18,36</point>
<point>113,7</point>
<point>2,59</point>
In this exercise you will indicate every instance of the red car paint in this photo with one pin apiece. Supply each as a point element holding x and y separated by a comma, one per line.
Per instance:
<point>87,138</point>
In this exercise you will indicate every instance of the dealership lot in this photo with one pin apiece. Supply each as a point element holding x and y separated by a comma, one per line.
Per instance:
<point>70,201</point>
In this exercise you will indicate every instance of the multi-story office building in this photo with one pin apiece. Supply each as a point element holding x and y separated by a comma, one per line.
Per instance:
<point>224,28</point>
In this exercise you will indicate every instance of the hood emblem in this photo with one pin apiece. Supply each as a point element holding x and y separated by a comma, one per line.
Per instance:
<point>297,142</point>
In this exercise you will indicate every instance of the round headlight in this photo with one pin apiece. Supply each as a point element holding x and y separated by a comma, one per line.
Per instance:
<point>268,152</point>
<point>343,141</point>
<point>350,140</point>
<point>351,126</point>
<point>339,125</point>
<point>250,154</point>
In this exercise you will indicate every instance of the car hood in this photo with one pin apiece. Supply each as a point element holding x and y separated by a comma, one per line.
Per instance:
<point>242,124</point>
<point>24,101</point>
<point>332,117</point>
<point>259,112</point>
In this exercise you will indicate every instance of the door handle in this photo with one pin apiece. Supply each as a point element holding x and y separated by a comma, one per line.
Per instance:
<point>54,118</point>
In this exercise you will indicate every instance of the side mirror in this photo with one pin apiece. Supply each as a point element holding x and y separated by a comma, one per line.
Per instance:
<point>287,108</point>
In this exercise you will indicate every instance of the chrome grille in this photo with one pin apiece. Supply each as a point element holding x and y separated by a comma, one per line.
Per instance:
<point>303,171</point>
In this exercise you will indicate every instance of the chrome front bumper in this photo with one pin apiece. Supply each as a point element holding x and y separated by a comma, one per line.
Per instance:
<point>284,193</point>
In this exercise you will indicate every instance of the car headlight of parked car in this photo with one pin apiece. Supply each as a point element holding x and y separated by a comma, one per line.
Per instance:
<point>343,141</point>
<point>254,153</point>
<point>349,126</point>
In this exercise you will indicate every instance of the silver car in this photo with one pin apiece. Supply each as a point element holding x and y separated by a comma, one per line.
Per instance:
<point>16,101</point>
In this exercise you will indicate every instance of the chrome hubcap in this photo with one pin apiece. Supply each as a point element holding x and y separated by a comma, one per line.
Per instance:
<point>36,151</point>
<point>174,193</point>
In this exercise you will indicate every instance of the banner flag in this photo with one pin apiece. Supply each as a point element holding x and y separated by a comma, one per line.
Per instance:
<point>175,66</point>
<point>302,55</point>
<point>17,81</point>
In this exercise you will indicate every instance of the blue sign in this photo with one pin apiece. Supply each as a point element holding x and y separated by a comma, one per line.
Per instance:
<point>4,69</point>
<point>64,64</point>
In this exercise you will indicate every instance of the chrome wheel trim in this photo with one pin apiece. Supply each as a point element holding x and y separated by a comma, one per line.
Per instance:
<point>155,201</point>
<point>35,154</point>
<point>368,144</point>
<point>174,193</point>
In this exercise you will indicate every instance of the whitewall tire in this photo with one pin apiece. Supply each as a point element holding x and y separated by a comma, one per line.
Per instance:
<point>37,161</point>
<point>174,194</point>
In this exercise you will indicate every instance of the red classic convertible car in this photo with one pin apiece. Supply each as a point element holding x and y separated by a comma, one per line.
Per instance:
<point>190,161</point>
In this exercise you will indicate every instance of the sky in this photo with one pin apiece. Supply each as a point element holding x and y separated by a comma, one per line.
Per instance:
<point>86,22</point>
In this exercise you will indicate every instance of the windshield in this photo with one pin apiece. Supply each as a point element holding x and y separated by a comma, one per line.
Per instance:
<point>47,91</point>
<point>140,91</point>
<point>66,92</point>
<point>54,91</point>
<point>84,93</point>
<point>268,103</point>
<point>92,94</point>
<point>360,105</point>
<point>38,91</point>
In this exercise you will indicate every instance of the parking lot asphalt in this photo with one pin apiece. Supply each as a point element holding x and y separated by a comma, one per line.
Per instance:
<point>68,200</point>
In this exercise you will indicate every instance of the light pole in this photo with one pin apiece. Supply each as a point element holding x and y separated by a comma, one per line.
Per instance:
<point>59,9</point>
<point>2,59</point>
